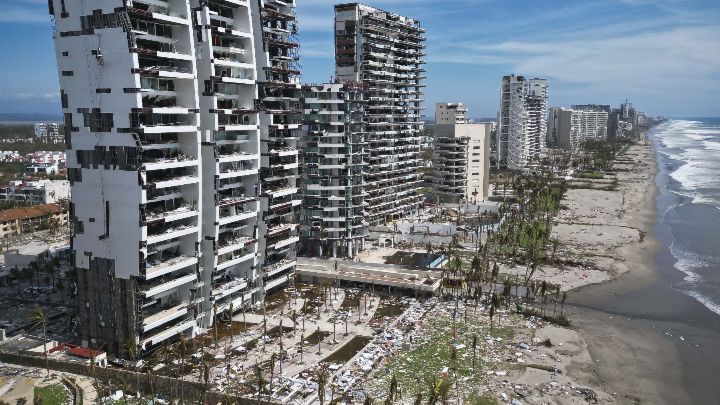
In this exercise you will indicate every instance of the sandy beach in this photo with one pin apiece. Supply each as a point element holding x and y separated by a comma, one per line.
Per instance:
<point>607,233</point>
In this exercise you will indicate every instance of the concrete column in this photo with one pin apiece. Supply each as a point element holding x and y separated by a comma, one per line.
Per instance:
<point>334,250</point>
<point>320,252</point>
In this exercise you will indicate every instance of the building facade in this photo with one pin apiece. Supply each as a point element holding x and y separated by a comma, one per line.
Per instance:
<point>35,192</point>
<point>19,221</point>
<point>334,148</point>
<point>461,159</point>
<point>164,121</point>
<point>48,132</point>
<point>386,52</point>
<point>570,128</point>
<point>450,113</point>
<point>522,122</point>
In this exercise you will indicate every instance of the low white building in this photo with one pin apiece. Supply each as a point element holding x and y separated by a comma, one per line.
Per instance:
<point>35,192</point>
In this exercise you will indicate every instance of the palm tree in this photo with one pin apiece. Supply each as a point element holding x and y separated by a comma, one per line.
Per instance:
<point>492,314</point>
<point>41,320</point>
<point>258,381</point>
<point>181,350</point>
<point>273,358</point>
<point>132,349</point>
<point>322,376</point>
<point>438,389</point>
<point>474,348</point>
<point>393,391</point>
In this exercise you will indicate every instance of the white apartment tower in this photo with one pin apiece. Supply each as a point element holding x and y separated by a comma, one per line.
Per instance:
<point>386,52</point>
<point>334,150</point>
<point>450,113</point>
<point>461,159</point>
<point>166,150</point>
<point>522,122</point>
<point>570,128</point>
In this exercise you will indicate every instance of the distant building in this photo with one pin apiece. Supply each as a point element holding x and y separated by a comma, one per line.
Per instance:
<point>42,169</point>
<point>35,192</point>
<point>522,122</point>
<point>18,221</point>
<point>569,128</point>
<point>450,113</point>
<point>461,160</point>
<point>48,132</point>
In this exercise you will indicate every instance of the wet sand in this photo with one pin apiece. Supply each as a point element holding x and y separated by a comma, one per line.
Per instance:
<point>648,342</point>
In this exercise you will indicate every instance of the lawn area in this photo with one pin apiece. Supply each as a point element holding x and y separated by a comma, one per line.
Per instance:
<point>431,353</point>
<point>55,394</point>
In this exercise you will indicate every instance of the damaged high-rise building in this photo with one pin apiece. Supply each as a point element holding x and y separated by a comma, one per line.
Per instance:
<point>182,120</point>
<point>522,122</point>
<point>386,52</point>
<point>335,156</point>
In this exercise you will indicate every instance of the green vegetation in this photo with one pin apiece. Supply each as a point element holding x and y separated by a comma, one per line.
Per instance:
<point>17,131</point>
<point>434,351</point>
<point>11,171</point>
<point>55,394</point>
<point>475,399</point>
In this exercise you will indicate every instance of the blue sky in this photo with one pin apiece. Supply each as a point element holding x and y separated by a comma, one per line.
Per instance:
<point>663,55</point>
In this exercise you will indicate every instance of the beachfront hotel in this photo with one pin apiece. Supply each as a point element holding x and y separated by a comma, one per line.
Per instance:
<point>182,120</point>
<point>386,52</point>
<point>522,122</point>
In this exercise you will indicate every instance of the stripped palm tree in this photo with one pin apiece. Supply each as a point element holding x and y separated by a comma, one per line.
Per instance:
<point>322,377</point>
<point>41,320</point>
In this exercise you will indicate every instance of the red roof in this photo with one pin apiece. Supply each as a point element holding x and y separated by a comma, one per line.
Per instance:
<point>29,212</point>
<point>77,351</point>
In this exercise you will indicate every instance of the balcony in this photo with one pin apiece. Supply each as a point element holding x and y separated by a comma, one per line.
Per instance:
<point>162,316</point>
<point>234,258</point>
<point>232,244</point>
<point>168,333</point>
<point>157,10</point>
<point>173,181</point>
<point>222,290</point>
<point>276,230</point>
<point>278,267</point>
<point>167,233</point>
<point>236,157</point>
<point>165,284</point>
<point>156,268</point>
<point>281,192</point>
<point>230,215</point>
<point>283,243</point>
<point>237,169</point>
<point>271,284</point>
<point>169,163</point>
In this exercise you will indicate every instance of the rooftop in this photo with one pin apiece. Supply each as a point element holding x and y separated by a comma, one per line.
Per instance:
<point>29,212</point>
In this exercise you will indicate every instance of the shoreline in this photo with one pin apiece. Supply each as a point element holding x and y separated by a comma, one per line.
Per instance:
<point>648,342</point>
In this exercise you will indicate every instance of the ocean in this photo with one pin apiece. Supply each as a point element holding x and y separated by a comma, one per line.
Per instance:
<point>688,153</point>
